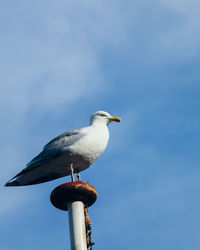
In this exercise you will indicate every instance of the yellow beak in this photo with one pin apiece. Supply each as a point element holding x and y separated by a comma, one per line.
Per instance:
<point>115,119</point>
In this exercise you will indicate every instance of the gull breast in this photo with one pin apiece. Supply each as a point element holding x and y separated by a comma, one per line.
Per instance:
<point>93,144</point>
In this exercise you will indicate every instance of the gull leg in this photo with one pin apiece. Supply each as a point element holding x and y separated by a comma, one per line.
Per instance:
<point>72,171</point>
<point>78,176</point>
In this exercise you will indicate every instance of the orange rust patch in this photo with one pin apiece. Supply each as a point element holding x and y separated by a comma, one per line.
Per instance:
<point>78,185</point>
<point>89,188</point>
<point>92,189</point>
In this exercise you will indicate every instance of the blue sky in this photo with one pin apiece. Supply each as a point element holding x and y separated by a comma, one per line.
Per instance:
<point>139,60</point>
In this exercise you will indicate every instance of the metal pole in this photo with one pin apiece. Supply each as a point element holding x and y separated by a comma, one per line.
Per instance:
<point>72,197</point>
<point>77,225</point>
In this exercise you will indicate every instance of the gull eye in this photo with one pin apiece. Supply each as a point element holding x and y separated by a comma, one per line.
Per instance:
<point>102,115</point>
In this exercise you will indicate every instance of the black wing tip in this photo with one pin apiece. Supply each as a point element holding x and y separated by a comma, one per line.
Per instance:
<point>12,183</point>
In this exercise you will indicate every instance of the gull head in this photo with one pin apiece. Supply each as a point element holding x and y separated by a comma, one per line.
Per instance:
<point>103,117</point>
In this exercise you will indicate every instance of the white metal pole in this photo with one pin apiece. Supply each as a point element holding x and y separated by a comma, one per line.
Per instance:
<point>77,225</point>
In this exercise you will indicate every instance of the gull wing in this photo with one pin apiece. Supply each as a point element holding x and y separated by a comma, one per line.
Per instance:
<point>54,149</point>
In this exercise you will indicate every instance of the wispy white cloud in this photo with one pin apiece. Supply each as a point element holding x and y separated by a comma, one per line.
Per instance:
<point>54,53</point>
<point>44,69</point>
<point>40,60</point>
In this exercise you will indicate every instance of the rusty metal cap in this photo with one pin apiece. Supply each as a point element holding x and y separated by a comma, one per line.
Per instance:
<point>73,191</point>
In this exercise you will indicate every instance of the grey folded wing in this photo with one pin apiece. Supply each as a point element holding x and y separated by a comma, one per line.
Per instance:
<point>54,149</point>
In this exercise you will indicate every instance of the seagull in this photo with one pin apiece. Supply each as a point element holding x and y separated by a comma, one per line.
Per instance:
<point>68,153</point>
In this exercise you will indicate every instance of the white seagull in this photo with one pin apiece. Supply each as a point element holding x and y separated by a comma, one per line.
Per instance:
<point>71,152</point>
